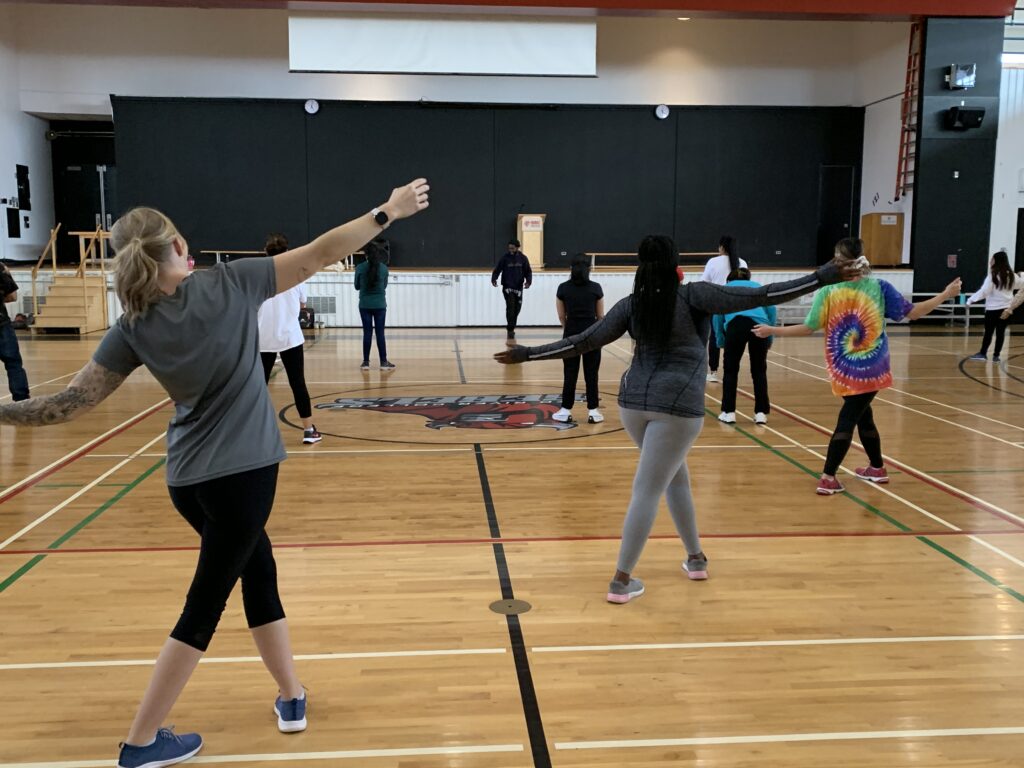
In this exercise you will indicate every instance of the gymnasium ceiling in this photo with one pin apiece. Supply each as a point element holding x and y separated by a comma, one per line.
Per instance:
<point>804,9</point>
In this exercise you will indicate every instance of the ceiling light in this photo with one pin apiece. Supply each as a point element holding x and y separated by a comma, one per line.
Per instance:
<point>682,18</point>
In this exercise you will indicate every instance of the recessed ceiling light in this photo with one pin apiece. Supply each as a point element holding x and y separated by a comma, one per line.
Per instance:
<point>682,18</point>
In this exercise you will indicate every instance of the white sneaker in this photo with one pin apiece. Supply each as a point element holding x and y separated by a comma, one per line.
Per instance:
<point>727,418</point>
<point>713,377</point>
<point>760,418</point>
<point>563,415</point>
<point>594,416</point>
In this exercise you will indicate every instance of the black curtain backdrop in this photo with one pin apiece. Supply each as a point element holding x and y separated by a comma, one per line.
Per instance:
<point>229,171</point>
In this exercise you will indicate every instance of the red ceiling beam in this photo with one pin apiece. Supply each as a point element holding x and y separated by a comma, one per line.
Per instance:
<point>848,9</point>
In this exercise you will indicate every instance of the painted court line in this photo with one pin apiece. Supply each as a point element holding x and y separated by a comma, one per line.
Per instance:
<point>85,489</point>
<point>59,464</point>
<point>350,754</point>
<point>773,643</point>
<point>44,383</point>
<point>256,659</point>
<point>791,737</point>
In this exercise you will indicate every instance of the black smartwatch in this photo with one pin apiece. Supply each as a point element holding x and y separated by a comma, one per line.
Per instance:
<point>381,218</point>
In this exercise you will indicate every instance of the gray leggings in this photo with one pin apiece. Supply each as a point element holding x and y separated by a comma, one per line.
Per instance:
<point>664,441</point>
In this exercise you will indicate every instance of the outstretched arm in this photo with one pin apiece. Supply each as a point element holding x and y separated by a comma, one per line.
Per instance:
<point>603,332</point>
<point>726,300</point>
<point>922,308</point>
<point>293,267</point>
<point>89,388</point>
<point>764,331</point>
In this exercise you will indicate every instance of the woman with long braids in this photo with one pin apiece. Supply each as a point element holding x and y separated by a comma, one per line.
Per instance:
<point>717,271</point>
<point>197,334</point>
<point>853,317</point>
<point>661,394</point>
<point>997,291</point>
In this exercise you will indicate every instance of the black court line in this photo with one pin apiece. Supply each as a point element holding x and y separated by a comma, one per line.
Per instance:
<point>458,358</point>
<point>1006,367</point>
<point>985,383</point>
<point>531,708</point>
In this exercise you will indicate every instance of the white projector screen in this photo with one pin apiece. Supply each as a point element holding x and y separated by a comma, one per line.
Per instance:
<point>478,45</point>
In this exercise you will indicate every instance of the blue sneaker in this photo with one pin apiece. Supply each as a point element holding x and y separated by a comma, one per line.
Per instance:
<point>167,749</point>
<point>291,714</point>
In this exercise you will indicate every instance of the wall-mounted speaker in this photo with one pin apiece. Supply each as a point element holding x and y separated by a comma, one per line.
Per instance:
<point>963,118</point>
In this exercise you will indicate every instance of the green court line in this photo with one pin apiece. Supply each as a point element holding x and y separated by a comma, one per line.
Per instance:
<point>10,580</point>
<point>889,519</point>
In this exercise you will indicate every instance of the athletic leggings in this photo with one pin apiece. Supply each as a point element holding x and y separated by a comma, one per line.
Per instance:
<point>571,370</point>
<point>739,336</point>
<point>229,514</point>
<point>714,353</point>
<point>994,322</point>
<point>373,322</point>
<point>294,366</point>
<point>856,411</point>
<point>664,441</point>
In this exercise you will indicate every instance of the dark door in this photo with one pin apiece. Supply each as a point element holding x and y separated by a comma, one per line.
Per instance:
<point>835,208</point>
<point>87,199</point>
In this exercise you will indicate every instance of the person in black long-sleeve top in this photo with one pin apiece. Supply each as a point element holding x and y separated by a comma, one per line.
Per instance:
<point>515,272</point>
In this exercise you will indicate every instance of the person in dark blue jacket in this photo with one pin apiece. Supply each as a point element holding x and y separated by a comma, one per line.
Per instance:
<point>515,272</point>
<point>734,333</point>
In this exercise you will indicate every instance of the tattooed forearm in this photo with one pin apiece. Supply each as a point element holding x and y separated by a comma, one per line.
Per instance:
<point>40,411</point>
<point>89,387</point>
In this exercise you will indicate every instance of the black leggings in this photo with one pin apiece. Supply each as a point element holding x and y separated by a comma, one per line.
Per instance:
<point>993,322</point>
<point>294,366</point>
<point>513,306</point>
<point>229,514</point>
<point>714,353</point>
<point>571,371</point>
<point>739,336</point>
<point>856,411</point>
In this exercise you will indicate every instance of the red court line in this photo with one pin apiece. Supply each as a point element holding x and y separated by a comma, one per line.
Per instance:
<point>85,450</point>
<point>983,506</point>
<point>522,540</point>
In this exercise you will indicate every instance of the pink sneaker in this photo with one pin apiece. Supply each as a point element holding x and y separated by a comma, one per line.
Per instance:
<point>872,474</point>
<point>696,567</point>
<point>827,487</point>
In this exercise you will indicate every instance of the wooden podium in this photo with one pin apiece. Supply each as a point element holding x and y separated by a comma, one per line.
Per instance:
<point>530,233</point>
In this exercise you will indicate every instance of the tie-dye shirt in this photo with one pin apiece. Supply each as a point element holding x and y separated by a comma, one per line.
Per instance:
<point>856,347</point>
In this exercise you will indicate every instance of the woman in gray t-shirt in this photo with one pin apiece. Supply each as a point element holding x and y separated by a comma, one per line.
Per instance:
<point>198,335</point>
<point>661,395</point>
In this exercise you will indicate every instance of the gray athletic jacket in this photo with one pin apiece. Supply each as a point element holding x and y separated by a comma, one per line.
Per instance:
<point>671,379</point>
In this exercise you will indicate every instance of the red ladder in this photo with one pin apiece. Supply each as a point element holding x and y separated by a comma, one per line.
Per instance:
<point>908,116</point>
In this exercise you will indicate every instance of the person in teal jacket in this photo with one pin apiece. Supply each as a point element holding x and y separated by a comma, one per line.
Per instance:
<point>734,333</point>
<point>372,282</point>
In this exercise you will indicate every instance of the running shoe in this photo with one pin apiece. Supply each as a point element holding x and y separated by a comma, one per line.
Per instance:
<point>760,418</point>
<point>594,416</point>
<point>563,415</point>
<point>872,474</point>
<point>387,365</point>
<point>291,714</point>
<point>168,748</point>
<point>712,377</point>
<point>829,486</point>
<point>978,356</point>
<point>310,436</point>
<point>696,567</point>
<point>727,418</point>
<point>622,593</point>
<point>365,365</point>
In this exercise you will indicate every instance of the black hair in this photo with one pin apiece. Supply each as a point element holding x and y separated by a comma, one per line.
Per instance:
<point>1002,273</point>
<point>740,273</point>
<point>276,243</point>
<point>580,269</point>
<point>728,245</point>
<point>374,254</point>
<point>514,242</point>
<point>850,248</point>
<point>653,303</point>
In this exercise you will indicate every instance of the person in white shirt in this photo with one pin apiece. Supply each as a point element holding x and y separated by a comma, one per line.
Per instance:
<point>281,334</point>
<point>717,271</point>
<point>997,291</point>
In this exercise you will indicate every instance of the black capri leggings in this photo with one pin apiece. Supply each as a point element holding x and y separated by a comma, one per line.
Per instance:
<point>229,514</point>
<point>295,367</point>
<point>856,412</point>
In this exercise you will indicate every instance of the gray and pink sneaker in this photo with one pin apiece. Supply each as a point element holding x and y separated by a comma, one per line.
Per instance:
<point>696,567</point>
<point>872,474</point>
<point>623,593</point>
<point>829,486</point>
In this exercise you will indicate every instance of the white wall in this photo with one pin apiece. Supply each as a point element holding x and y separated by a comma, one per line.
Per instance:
<point>73,57</point>
<point>1007,196</point>
<point>22,142</point>
<point>881,79</point>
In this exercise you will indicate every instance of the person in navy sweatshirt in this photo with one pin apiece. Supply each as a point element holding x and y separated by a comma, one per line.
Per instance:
<point>515,272</point>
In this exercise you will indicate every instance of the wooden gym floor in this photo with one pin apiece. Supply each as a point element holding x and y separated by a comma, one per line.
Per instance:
<point>884,627</point>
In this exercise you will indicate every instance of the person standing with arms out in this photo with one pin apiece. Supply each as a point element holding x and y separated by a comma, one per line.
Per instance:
<point>997,291</point>
<point>281,334</point>
<point>734,334</point>
<point>580,304</point>
<point>661,395</point>
<point>717,271</point>
<point>223,443</point>
<point>514,269</point>
<point>371,281</point>
<point>10,353</point>
<point>853,317</point>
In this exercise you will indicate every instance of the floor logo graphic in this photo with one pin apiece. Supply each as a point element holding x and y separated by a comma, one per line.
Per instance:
<point>465,411</point>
